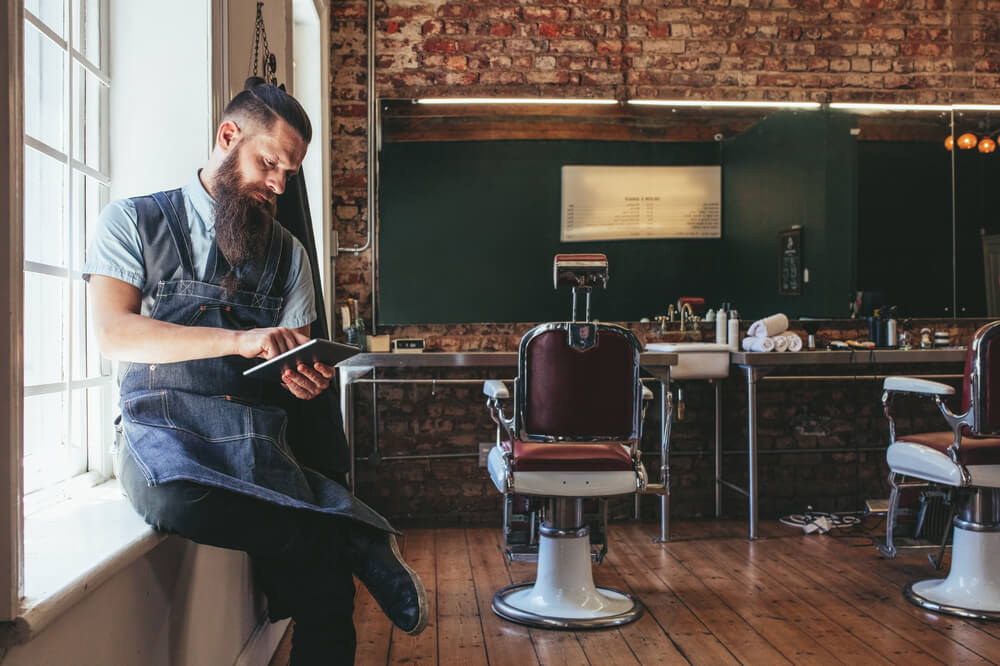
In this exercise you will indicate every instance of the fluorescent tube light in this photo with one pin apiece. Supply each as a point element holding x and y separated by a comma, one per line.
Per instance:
<point>865,106</point>
<point>510,100</point>
<point>976,107</point>
<point>735,104</point>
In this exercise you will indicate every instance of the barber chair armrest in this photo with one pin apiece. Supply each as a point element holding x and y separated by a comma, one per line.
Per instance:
<point>495,389</point>
<point>900,384</point>
<point>646,393</point>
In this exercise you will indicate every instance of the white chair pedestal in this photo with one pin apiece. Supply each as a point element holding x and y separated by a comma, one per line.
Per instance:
<point>972,588</point>
<point>564,596</point>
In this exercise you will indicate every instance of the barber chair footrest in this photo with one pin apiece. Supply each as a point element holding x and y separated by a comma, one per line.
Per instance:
<point>972,588</point>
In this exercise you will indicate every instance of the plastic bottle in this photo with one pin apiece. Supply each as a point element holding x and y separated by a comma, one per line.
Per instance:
<point>891,337</point>
<point>721,328</point>
<point>734,333</point>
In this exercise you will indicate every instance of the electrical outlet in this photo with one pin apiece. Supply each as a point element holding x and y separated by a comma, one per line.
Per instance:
<point>484,452</point>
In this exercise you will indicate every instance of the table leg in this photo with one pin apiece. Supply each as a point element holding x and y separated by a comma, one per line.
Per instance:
<point>753,374</point>
<point>666,423</point>
<point>718,447</point>
<point>345,377</point>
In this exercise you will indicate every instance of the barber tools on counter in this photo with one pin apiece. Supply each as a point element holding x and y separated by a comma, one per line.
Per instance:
<point>883,327</point>
<point>353,324</point>
<point>771,334</point>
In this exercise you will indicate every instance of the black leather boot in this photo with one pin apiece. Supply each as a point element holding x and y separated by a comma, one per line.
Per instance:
<point>397,589</point>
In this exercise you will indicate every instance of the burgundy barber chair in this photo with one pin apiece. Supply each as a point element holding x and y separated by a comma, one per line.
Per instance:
<point>964,461</point>
<point>570,443</point>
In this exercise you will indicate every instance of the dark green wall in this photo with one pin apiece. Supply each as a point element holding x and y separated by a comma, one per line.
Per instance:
<point>791,169</point>
<point>468,229</point>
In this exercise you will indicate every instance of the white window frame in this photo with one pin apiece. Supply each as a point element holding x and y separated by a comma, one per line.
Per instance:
<point>97,454</point>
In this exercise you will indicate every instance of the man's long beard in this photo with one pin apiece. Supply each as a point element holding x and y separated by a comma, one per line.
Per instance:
<point>242,223</point>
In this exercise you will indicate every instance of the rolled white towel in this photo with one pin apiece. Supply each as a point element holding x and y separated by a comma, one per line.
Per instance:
<point>758,344</point>
<point>780,343</point>
<point>771,326</point>
<point>794,341</point>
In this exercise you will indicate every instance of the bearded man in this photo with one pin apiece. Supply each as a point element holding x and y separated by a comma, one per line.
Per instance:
<point>191,287</point>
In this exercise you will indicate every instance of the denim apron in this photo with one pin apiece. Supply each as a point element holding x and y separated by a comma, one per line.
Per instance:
<point>202,420</point>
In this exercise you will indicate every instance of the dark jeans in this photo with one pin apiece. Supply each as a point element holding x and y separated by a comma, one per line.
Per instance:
<point>299,557</point>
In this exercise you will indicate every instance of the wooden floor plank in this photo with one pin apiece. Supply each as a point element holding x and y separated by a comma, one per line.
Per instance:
<point>870,595</point>
<point>870,567</point>
<point>419,552</point>
<point>858,623</point>
<point>506,642</point>
<point>460,630</point>
<point>711,597</point>
<point>687,633</point>
<point>782,598</point>
<point>741,639</point>
<point>758,605</point>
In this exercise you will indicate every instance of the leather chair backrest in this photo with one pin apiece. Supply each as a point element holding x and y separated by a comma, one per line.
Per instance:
<point>587,391</point>
<point>982,363</point>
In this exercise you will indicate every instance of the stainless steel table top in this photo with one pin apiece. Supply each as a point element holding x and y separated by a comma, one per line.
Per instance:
<point>468,360</point>
<point>847,357</point>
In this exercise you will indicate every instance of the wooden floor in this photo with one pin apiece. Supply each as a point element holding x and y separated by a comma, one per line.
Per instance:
<point>711,597</point>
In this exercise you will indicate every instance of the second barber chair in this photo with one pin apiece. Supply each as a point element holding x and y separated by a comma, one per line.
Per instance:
<point>570,442</point>
<point>961,463</point>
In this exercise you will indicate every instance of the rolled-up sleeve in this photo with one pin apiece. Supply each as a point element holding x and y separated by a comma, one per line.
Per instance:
<point>116,248</point>
<point>299,307</point>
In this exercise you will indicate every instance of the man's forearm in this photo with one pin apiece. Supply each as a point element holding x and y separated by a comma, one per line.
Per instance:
<point>133,337</point>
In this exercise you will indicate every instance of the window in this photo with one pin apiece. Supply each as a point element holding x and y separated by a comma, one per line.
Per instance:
<point>68,388</point>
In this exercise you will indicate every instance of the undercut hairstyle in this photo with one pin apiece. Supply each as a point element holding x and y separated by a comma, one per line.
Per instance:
<point>260,104</point>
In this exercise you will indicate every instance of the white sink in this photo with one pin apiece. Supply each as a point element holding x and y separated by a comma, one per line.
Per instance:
<point>696,360</point>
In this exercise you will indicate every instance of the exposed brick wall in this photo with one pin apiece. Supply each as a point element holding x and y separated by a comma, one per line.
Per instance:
<point>795,419</point>
<point>918,51</point>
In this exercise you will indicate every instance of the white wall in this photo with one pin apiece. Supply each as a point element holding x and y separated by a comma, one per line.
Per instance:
<point>160,94</point>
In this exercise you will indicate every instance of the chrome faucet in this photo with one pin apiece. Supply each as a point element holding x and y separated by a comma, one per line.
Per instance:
<point>686,308</point>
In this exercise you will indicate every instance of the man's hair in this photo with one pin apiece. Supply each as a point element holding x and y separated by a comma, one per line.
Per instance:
<point>262,103</point>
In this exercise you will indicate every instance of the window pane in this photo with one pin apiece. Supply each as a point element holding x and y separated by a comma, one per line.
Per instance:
<point>87,29</point>
<point>89,198</point>
<point>45,228</point>
<point>51,12</point>
<point>45,446</point>
<point>99,434</point>
<point>91,102</point>
<point>45,311</point>
<point>44,86</point>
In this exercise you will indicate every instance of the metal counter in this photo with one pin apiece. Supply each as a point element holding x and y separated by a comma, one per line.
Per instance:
<point>756,365</point>
<point>351,370</point>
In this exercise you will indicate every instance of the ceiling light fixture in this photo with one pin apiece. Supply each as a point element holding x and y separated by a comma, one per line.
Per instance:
<point>866,106</point>
<point>748,104</point>
<point>511,100</point>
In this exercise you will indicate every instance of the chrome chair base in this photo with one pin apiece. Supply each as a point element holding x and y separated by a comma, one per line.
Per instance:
<point>972,587</point>
<point>937,607</point>
<point>511,603</point>
<point>563,595</point>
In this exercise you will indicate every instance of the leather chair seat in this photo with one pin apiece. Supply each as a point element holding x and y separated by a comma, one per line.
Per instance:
<point>972,450</point>
<point>570,457</point>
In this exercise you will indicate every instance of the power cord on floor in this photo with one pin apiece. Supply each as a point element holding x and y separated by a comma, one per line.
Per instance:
<point>819,521</point>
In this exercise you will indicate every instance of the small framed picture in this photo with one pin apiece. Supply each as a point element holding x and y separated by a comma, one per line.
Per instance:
<point>790,262</point>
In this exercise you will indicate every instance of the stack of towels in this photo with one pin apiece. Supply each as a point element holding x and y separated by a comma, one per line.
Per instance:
<point>771,334</point>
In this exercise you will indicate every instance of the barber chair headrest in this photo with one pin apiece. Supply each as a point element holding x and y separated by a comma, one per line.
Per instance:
<point>580,271</point>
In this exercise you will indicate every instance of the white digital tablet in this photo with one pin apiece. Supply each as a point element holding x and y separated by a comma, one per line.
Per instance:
<point>317,350</point>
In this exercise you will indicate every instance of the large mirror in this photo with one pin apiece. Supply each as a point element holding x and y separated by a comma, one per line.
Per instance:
<point>470,211</point>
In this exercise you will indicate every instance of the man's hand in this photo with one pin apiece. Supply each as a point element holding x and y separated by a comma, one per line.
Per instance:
<point>266,343</point>
<point>308,382</point>
<point>303,382</point>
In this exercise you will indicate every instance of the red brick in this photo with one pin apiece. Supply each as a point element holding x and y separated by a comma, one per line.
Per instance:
<point>438,45</point>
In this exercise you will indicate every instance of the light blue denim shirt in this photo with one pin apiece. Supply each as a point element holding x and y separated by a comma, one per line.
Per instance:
<point>116,251</point>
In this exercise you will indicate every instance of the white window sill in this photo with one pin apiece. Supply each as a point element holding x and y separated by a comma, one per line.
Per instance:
<point>73,547</point>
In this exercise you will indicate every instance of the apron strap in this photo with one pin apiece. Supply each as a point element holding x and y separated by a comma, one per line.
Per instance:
<point>181,239</point>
